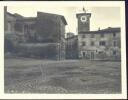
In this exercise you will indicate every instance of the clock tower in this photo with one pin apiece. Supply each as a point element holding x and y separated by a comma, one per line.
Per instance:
<point>83,21</point>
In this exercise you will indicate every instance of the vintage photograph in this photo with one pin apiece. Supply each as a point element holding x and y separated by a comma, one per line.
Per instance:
<point>62,50</point>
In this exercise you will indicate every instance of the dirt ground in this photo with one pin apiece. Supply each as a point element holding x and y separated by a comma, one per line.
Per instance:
<point>25,75</point>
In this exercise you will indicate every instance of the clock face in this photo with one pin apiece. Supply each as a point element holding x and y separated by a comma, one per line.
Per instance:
<point>83,18</point>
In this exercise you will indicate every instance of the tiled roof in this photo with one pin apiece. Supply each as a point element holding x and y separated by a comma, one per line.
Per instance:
<point>75,36</point>
<point>107,30</point>
<point>83,14</point>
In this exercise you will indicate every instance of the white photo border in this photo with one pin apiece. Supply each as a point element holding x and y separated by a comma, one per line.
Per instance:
<point>120,4</point>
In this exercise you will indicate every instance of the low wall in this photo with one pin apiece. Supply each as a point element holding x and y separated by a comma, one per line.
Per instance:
<point>38,50</point>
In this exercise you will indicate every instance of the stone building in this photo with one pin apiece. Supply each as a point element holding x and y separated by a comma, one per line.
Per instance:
<point>71,46</point>
<point>101,44</point>
<point>69,34</point>
<point>97,45</point>
<point>12,34</point>
<point>10,27</point>
<point>45,30</point>
<point>51,29</point>
<point>27,26</point>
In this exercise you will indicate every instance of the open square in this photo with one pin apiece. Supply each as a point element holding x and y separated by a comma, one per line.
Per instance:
<point>25,75</point>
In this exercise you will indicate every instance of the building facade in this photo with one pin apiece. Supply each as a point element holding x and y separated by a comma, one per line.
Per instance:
<point>45,29</point>
<point>97,45</point>
<point>10,26</point>
<point>71,46</point>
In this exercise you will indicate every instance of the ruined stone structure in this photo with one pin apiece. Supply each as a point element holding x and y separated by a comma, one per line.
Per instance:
<point>46,28</point>
<point>99,45</point>
<point>10,27</point>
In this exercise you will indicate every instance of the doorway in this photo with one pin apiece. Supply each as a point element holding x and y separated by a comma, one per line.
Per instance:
<point>91,55</point>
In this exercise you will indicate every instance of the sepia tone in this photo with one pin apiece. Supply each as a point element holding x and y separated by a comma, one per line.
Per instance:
<point>40,57</point>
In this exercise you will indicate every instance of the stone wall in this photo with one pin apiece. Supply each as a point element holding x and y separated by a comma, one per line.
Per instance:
<point>47,27</point>
<point>38,50</point>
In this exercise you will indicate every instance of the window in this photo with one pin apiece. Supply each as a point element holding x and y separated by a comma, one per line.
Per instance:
<point>83,54</point>
<point>114,34</point>
<point>32,26</point>
<point>92,35</point>
<point>100,52</point>
<point>114,52</point>
<point>19,27</point>
<point>92,43</point>
<point>6,26</point>
<point>102,35</point>
<point>114,44</point>
<point>83,36</point>
<point>9,26</point>
<point>83,43</point>
<point>102,43</point>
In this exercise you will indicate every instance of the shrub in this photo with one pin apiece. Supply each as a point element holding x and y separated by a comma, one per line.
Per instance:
<point>39,50</point>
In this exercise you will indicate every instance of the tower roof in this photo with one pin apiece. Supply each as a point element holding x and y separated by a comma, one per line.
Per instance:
<point>78,14</point>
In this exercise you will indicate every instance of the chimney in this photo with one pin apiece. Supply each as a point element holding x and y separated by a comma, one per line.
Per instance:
<point>99,29</point>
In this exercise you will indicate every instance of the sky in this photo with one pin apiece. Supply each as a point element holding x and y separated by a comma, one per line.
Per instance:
<point>101,17</point>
